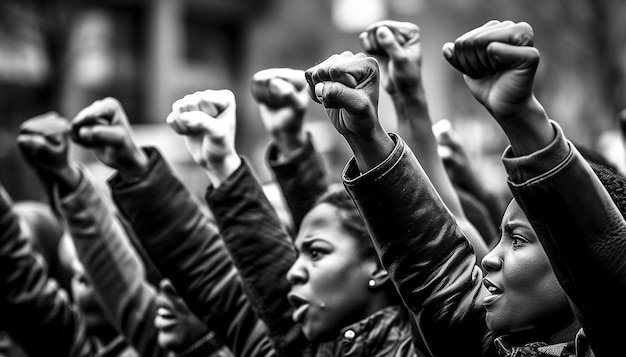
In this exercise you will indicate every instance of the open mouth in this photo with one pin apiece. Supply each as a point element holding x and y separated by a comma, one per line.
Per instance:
<point>165,319</point>
<point>494,293</point>
<point>165,313</point>
<point>300,307</point>
<point>491,287</point>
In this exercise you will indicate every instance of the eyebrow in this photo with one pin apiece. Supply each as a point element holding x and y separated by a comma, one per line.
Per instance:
<point>509,226</point>
<point>308,241</point>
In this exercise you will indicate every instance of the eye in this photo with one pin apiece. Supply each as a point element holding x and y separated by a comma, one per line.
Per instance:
<point>518,241</point>
<point>315,253</point>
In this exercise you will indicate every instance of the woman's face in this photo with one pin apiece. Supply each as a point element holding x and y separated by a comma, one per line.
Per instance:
<point>329,279</point>
<point>524,293</point>
<point>178,327</point>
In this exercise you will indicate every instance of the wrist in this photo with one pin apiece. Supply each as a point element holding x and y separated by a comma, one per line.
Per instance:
<point>411,103</point>
<point>135,166</point>
<point>68,180</point>
<point>372,149</point>
<point>219,170</point>
<point>289,142</point>
<point>528,129</point>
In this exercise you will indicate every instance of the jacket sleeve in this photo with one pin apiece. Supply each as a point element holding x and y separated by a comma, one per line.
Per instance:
<point>261,250</point>
<point>186,247</point>
<point>427,256</point>
<point>113,266</point>
<point>583,234</point>
<point>35,312</point>
<point>301,177</point>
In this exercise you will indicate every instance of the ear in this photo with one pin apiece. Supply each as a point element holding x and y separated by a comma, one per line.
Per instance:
<point>379,275</point>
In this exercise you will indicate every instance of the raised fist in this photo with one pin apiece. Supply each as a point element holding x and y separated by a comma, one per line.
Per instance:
<point>44,142</point>
<point>397,47</point>
<point>499,64</point>
<point>347,86</point>
<point>104,128</point>
<point>207,120</point>
<point>283,100</point>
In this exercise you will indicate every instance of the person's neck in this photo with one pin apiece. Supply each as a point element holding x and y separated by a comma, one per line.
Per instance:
<point>104,335</point>
<point>549,334</point>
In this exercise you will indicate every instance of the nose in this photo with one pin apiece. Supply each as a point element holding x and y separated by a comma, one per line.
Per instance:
<point>492,261</point>
<point>297,273</point>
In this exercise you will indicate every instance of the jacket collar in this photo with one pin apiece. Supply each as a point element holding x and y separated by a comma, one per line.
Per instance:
<point>372,334</point>
<point>535,349</point>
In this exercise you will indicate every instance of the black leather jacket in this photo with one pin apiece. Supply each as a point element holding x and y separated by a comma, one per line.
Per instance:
<point>427,256</point>
<point>238,204</point>
<point>32,308</point>
<point>185,245</point>
<point>583,233</point>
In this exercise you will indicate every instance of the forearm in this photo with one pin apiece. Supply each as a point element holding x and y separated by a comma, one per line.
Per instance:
<point>412,111</point>
<point>370,150</point>
<point>32,306</point>
<point>115,269</point>
<point>426,254</point>
<point>301,177</point>
<point>580,229</point>
<point>248,226</point>
<point>218,171</point>
<point>529,130</point>
<point>290,142</point>
<point>186,247</point>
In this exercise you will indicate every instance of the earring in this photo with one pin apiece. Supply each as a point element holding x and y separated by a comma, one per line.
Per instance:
<point>371,283</point>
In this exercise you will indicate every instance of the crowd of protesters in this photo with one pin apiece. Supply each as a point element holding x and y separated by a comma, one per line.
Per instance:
<point>411,255</point>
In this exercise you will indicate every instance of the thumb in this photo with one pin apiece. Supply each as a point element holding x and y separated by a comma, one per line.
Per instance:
<point>29,143</point>
<point>194,123</point>
<point>100,135</point>
<point>337,95</point>
<point>388,43</point>
<point>449,55</point>
<point>507,56</point>
<point>287,92</point>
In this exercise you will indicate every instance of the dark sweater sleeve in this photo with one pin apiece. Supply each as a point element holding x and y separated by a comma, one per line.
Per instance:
<point>186,247</point>
<point>36,313</point>
<point>582,231</point>
<point>301,177</point>
<point>427,256</point>
<point>112,264</point>
<point>261,250</point>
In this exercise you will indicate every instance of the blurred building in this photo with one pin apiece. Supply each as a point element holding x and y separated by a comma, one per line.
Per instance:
<point>62,55</point>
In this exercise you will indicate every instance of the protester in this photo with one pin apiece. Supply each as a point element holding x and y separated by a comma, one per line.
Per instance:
<point>552,181</point>
<point>172,227</point>
<point>32,306</point>
<point>419,242</point>
<point>109,285</point>
<point>341,302</point>
<point>398,48</point>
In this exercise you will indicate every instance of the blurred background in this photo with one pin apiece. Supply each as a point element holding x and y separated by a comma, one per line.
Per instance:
<point>62,55</point>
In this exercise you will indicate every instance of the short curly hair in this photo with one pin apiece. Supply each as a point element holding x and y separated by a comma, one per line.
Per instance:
<point>350,218</point>
<point>615,184</point>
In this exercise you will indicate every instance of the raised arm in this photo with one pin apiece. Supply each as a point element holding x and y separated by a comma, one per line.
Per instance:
<point>574,216</point>
<point>397,47</point>
<point>101,243</point>
<point>177,235</point>
<point>298,168</point>
<point>417,239</point>
<point>487,206</point>
<point>250,229</point>
<point>36,313</point>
